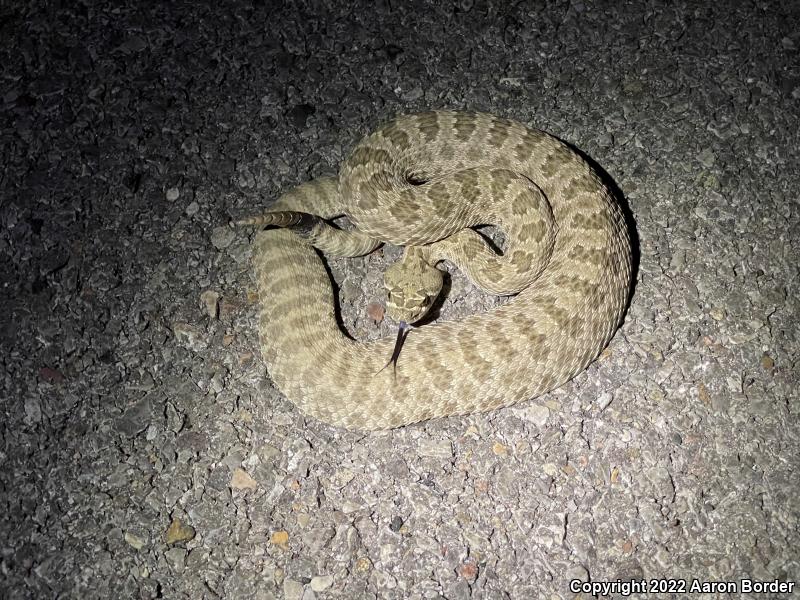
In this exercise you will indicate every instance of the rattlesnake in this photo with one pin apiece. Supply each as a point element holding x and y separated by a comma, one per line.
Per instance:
<point>418,179</point>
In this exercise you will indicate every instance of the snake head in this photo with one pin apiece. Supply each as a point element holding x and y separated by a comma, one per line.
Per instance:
<point>412,286</point>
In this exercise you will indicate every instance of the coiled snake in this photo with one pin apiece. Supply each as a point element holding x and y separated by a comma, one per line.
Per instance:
<point>422,181</point>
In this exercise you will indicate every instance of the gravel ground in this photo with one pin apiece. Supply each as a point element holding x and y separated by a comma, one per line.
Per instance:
<point>145,454</point>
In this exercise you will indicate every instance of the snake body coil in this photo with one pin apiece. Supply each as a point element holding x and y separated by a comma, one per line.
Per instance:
<point>418,181</point>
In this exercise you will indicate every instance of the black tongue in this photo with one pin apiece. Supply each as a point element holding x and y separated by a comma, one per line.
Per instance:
<point>402,332</point>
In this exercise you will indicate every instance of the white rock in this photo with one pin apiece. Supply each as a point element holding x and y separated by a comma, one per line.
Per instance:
<point>321,582</point>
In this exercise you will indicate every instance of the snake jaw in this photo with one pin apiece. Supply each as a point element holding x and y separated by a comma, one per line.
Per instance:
<point>408,309</point>
<point>412,286</point>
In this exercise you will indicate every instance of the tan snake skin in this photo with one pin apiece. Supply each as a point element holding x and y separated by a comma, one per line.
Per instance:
<point>416,180</point>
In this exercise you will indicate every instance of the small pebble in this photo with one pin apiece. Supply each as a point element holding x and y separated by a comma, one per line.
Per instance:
<point>241,480</point>
<point>179,532</point>
<point>376,311</point>
<point>321,582</point>
<point>210,301</point>
<point>222,237</point>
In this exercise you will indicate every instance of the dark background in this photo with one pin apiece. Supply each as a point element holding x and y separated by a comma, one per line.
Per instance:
<point>131,390</point>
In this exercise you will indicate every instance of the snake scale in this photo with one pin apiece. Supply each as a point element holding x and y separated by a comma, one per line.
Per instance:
<point>422,181</point>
